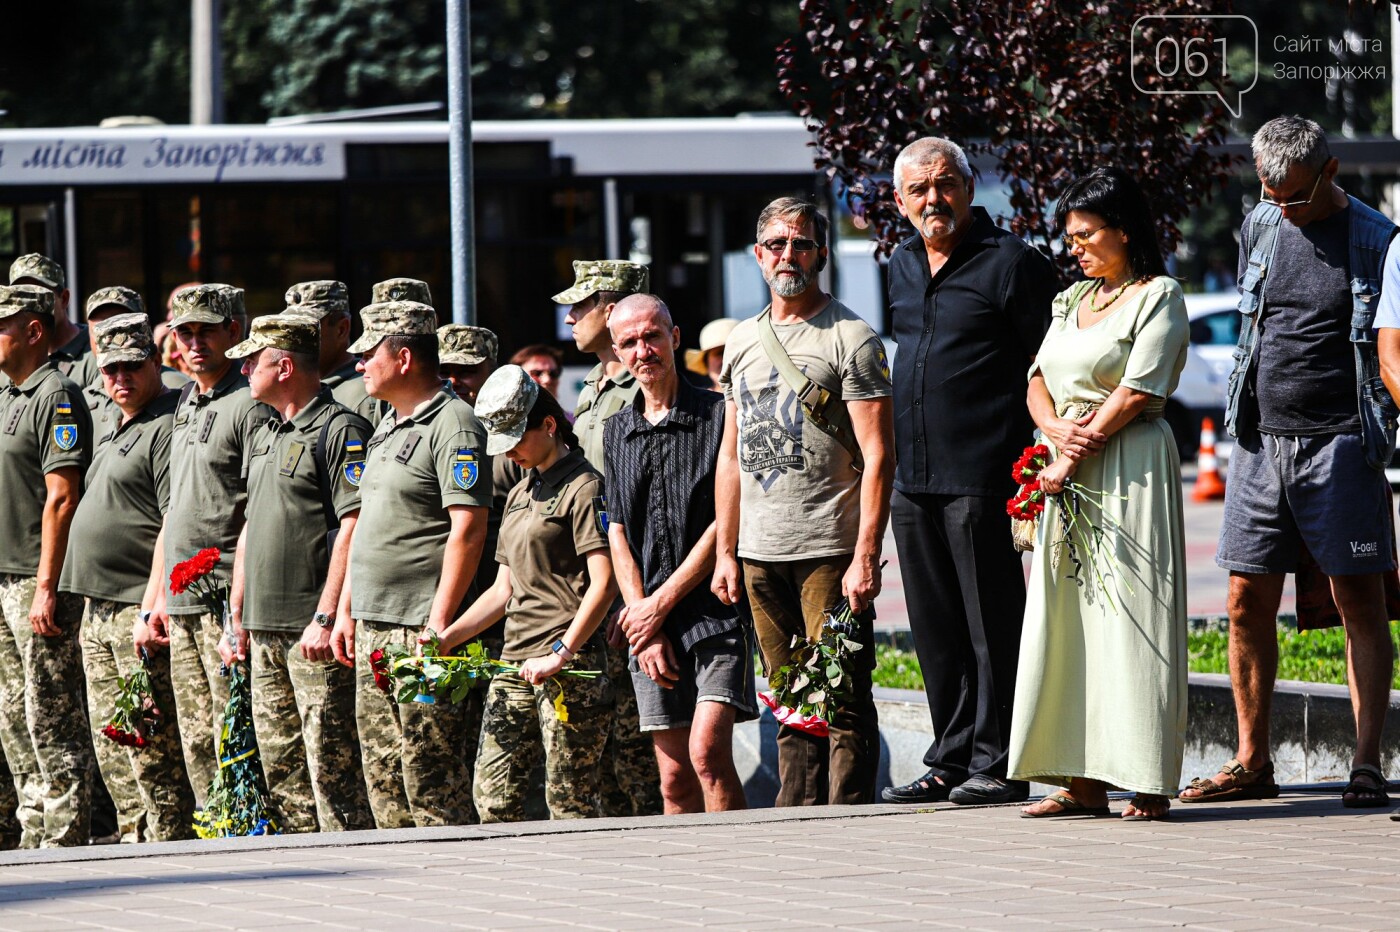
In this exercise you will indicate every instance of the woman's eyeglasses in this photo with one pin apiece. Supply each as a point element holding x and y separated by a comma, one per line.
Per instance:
<point>1082,238</point>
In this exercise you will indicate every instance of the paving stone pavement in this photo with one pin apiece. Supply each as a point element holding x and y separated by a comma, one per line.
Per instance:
<point>1299,861</point>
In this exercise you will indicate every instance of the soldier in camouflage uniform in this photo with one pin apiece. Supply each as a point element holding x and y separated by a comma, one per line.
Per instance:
<point>329,303</point>
<point>110,551</point>
<point>466,356</point>
<point>103,304</point>
<point>425,493</point>
<point>214,424</point>
<point>45,443</point>
<point>631,780</point>
<point>555,585</point>
<point>68,344</point>
<point>303,501</point>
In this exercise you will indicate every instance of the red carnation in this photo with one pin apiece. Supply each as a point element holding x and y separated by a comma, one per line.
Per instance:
<point>188,572</point>
<point>379,665</point>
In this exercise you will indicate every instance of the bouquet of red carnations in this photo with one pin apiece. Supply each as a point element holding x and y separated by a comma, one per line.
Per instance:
<point>1029,501</point>
<point>136,717</point>
<point>1081,540</point>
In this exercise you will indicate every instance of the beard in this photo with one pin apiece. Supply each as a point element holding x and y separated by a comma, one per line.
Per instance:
<point>933,213</point>
<point>789,281</point>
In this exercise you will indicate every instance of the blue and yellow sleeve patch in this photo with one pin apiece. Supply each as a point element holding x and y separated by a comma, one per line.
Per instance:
<point>354,468</point>
<point>465,468</point>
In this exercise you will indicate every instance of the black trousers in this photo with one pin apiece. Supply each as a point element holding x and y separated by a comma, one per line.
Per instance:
<point>966,595</point>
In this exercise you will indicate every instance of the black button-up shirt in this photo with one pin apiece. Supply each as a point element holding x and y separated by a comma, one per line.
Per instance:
<point>966,338</point>
<point>661,489</point>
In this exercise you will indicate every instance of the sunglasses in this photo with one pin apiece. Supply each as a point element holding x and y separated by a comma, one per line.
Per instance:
<point>779,246</point>
<point>112,368</point>
<point>1080,239</point>
<point>538,374</point>
<point>1265,199</point>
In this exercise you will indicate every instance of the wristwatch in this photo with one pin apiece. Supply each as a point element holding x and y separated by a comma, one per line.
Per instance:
<point>324,620</point>
<point>562,649</point>
<point>146,617</point>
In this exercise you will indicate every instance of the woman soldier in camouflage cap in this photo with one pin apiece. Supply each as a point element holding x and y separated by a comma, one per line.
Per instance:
<point>554,587</point>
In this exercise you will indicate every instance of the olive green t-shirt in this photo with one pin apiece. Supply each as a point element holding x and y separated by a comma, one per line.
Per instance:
<point>552,521</point>
<point>416,468</point>
<point>44,427</point>
<point>75,359</point>
<point>799,490</point>
<point>348,387</point>
<point>599,400</point>
<point>208,492</point>
<point>114,530</point>
<point>286,557</point>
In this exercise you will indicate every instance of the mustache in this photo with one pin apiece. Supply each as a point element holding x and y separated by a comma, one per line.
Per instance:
<point>936,210</point>
<point>789,267</point>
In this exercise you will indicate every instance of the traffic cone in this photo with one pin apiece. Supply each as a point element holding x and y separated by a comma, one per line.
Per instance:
<point>1209,486</point>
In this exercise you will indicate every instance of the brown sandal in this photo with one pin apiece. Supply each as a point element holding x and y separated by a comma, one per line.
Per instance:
<point>1243,783</point>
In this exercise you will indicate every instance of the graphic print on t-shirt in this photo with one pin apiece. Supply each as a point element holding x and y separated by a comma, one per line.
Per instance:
<point>770,430</point>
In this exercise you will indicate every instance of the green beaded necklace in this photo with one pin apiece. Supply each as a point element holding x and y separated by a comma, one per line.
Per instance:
<point>1098,287</point>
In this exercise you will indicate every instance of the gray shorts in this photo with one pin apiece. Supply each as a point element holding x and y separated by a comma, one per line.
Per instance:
<point>1286,493</point>
<point>717,669</point>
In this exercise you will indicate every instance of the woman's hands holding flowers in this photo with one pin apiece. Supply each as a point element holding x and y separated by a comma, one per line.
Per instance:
<point>1054,476</point>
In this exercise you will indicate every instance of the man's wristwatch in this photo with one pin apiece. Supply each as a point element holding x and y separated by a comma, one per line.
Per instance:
<point>324,620</point>
<point>146,617</point>
<point>562,649</point>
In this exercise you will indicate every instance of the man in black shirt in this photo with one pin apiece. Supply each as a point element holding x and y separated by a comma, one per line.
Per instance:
<point>691,662</point>
<point>970,304</point>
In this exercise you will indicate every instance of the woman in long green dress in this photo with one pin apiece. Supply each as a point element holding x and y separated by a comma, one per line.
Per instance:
<point>1101,686</point>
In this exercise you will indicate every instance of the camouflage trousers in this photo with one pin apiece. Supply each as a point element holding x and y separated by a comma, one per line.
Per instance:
<point>9,807</point>
<point>149,786</point>
<point>200,693</point>
<point>304,716</point>
<point>521,727</point>
<point>42,724</point>
<point>631,780</point>
<point>415,771</point>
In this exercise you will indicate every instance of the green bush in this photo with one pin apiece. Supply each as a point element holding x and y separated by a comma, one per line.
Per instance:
<point>1310,656</point>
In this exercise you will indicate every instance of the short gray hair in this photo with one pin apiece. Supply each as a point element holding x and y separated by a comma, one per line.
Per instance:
<point>1285,142</point>
<point>925,150</point>
<point>796,212</point>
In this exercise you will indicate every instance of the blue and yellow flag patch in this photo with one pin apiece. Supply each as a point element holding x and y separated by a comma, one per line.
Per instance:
<point>65,436</point>
<point>465,468</point>
<point>354,467</point>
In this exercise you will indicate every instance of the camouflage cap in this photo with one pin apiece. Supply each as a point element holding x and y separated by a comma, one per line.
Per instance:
<point>460,345</point>
<point>124,338</point>
<point>401,289</point>
<point>200,304</point>
<point>117,296</point>
<point>290,331</point>
<point>503,407</point>
<point>17,299</point>
<point>317,299</point>
<point>393,319</point>
<point>38,268</point>
<point>236,307</point>
<point>594,275</point>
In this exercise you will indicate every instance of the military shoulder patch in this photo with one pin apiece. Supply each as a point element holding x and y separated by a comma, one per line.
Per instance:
<point>65,436</point>
<point>354,467</point>
<point>465,468</point>
<point>600,508</point>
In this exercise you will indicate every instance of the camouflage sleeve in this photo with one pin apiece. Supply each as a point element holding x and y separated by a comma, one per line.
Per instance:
<point>65,431</point>
<point>345,457</point>
<point>589,516</point>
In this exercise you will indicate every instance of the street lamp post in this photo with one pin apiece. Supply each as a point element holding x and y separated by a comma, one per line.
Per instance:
<point>459,148</point>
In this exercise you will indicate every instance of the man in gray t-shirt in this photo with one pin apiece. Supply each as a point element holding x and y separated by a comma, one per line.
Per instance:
<point>1301,479</point>
<point>791,504</point>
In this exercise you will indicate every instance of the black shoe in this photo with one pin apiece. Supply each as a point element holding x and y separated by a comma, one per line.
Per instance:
<point>981,790</point>
<point>926,789</point>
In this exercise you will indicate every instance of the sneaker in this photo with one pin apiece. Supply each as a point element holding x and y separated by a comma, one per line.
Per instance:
<point>926,789</point>
<point>982,790</point>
